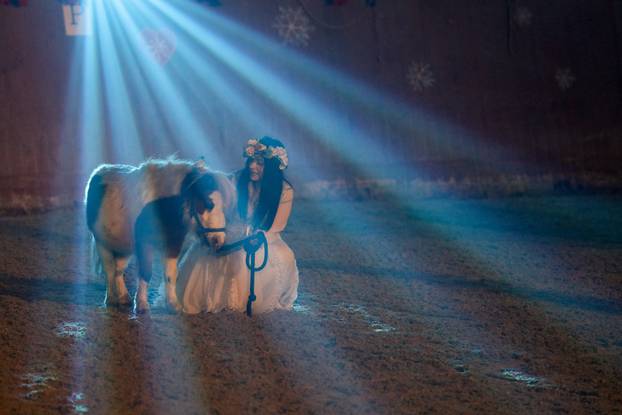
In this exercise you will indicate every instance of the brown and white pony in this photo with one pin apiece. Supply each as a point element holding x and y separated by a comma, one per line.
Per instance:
<point>153,207</point>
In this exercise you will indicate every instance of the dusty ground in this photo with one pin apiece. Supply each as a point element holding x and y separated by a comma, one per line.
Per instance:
<point>431,306</point>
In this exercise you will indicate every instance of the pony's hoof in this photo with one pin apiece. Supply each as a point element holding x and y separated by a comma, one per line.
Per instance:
<point>124,301</point>
<point>111,301</point>
<point>174,308</point>
<point>142,308</point>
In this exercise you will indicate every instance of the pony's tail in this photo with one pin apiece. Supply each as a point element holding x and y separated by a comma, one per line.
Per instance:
<point>94,195</point>
<point>96,265</point>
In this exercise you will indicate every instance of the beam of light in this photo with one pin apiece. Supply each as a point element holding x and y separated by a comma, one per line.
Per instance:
<point>408,120</point>
<point>174,89</point>
<point>453,140</point>
<point>104,87</point>
<point>307,106</point>
<point>165,95</point>
<point>255,76</point>
<point>190,27</point>
<point>84,126</point>
<point>80,148</point>
<point>212,93</point>
<point>355,143</point>
<point>360,95</point>
<point>403,120</point>
<point>222,90</point>
<point>292,101</point>
<point>282,93</point>
<point>152,91</point>
<point>85,144</point>
<point>120,111</point>
<point>150,115</point>
<point>191,136</point>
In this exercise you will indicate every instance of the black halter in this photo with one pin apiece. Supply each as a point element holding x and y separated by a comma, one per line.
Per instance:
<point>202,229</point>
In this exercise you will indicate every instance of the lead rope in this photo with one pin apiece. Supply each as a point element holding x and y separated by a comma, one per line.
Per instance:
<point>251,246</point>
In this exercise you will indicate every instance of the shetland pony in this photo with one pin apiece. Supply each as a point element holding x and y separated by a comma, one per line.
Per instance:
<point>136,210</point>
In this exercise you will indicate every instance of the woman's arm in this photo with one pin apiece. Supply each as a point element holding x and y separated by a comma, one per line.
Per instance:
<point>284,209</point>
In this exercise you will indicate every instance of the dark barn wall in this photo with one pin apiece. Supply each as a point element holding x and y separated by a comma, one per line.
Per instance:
<point>494,78</point>
<point>34,55</point>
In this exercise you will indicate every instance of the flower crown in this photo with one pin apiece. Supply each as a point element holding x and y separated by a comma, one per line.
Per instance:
<point>255,149</point>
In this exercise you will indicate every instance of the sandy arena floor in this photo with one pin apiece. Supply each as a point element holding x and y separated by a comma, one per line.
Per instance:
<point>453,306</point>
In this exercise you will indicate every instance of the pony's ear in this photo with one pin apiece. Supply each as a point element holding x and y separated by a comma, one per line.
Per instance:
<point>200,164</point>
<point>189,181</point>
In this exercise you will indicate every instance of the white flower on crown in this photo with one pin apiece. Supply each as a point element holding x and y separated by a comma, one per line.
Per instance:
<point>281,154</point>
<point>251,148</point>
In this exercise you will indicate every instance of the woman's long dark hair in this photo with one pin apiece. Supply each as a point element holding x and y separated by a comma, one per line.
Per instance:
<point>271,188</point>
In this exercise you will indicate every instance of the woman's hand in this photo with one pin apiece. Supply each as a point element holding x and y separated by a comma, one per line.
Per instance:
<point>215,239</point>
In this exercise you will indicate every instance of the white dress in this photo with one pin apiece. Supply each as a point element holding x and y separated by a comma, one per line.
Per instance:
<point>208,282</point>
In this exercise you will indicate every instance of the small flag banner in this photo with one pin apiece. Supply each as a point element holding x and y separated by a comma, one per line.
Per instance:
<point>368,3</point>
<point>14,3</point>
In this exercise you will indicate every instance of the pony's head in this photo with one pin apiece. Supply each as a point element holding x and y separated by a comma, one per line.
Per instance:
<point>205,205</point>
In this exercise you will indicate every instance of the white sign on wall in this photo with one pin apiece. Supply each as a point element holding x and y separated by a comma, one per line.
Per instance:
<point>78,19</point>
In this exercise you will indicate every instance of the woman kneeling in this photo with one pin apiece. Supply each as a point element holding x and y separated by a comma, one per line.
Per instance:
<point>214,282</point>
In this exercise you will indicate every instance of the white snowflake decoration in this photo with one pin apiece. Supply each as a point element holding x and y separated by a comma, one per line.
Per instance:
<point>420,76</point>
<point>293,26</point>
<point>523,16</point>
<point>565,78</point>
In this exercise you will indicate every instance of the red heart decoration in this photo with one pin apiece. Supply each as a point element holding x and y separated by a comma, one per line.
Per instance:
<point>161,44</point>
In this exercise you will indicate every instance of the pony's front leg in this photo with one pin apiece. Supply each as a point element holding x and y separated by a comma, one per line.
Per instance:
<point>144,256</point>
<point>171,282</point>
<point>142,299</point>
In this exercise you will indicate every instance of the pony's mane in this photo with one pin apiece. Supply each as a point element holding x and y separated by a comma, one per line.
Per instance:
<point>228,192</point>
<point>160,177</point>
<point>167,163</point>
